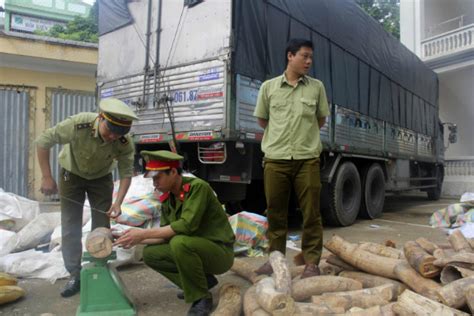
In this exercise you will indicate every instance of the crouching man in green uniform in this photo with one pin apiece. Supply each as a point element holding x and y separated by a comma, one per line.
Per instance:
<point>195,234</point>
<point>94,144</point>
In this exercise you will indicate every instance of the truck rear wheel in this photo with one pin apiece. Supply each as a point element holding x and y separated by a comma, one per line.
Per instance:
<point>434,194</point>
<point>373,196</point>
<point>345,196</point>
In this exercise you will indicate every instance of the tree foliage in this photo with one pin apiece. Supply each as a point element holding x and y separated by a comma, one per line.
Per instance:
<point>79,29</point>
<point>386,12</point>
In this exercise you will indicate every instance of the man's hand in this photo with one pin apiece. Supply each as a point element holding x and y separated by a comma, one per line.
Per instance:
<point>321,122</point>
<point>130,238</point>
<point>114,211</point>
<point>48,186</point>
<point>262,122</point>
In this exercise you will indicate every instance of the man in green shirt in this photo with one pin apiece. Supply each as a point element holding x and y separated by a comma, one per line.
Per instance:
<point>194,241</point>
<point>292,108</point>
<point>93,145</point>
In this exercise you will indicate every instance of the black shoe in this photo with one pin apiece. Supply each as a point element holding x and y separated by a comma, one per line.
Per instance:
<point>202,307</point>
<point>211,282</point>
<point>72,287</point>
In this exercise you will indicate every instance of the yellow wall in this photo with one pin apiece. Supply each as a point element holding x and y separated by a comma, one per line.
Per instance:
<point>42,80</point>
<point>47,54</point>
<point>48,50</point>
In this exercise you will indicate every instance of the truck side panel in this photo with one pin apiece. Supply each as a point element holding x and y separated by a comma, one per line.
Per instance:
<point>246,98</point>
<point>400,142</point>
<point>196,92</point>
<point>185,37</point>
<point>358,133</point>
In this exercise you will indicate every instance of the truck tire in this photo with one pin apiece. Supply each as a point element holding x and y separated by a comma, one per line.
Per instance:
<point>345,191</point>
<point>373,196</point>
<point>434,194</point>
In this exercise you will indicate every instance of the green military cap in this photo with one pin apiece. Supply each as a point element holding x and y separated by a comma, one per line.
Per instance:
<point>118,115</point>
<point>159,160</point>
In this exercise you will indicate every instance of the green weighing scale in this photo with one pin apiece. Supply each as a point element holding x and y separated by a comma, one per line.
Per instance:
<point>102,290</point>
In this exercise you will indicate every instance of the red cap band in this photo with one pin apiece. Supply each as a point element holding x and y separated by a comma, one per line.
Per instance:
<point>161,165</point>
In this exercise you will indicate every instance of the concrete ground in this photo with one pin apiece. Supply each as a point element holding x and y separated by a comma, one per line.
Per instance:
<point>405,218</point>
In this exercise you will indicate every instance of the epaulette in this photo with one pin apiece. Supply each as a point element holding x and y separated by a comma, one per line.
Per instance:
<point>123,140</point>
<point>164,197</point>
<point>83,125</point>
<point>187,187</point>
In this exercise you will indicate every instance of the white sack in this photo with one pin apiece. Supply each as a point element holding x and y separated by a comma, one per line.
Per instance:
<point>34,264</point>
<point>33,234</point>
<point>17,208</point>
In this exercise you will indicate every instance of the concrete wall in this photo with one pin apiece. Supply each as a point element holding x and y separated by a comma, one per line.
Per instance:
<point>456,99</point>
<point>419,17</point>
<point>439,11</point>
<point>43,65</point>
<point>456,82</point>
<point>410,26</point>
<point>41,81</point>
<point>57,50</point>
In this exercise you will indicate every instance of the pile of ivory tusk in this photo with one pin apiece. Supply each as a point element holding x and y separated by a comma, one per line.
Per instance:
<point>423,278</point>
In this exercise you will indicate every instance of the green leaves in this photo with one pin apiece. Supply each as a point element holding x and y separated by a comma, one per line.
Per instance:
<point>80,29</point>
<point>386,12</point>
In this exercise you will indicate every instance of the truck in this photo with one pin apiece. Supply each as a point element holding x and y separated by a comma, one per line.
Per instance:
<point>191,69</point>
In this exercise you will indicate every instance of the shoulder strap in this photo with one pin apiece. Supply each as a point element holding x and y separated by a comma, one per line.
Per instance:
<point>83,125</point>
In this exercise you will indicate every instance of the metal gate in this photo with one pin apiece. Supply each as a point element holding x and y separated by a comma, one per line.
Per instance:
<point>61,104</point>
<point>15,106</point>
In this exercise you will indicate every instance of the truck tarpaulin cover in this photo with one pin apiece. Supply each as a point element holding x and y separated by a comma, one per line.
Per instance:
<point>113,14</point>
<point>363,67</point>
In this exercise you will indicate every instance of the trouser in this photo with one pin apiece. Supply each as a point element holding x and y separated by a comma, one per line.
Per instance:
<point>72,190</point>
<point>280,176</point>
<point>186,260</point>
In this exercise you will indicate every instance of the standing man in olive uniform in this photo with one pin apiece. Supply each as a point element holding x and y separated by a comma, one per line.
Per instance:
<point>195,238</point>
<point>94,144</point>
<point>292,108</point>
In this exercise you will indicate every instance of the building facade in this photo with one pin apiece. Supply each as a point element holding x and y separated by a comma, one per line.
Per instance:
<point>42,81</point>
<point>441,33</point>
<point>40,15</point>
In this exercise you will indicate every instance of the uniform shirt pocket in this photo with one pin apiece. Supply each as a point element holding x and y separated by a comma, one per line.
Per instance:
<point>277,109</point>
<point>308,107</point>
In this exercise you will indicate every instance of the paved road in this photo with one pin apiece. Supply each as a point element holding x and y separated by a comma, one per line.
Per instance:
<point>405,218</point>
